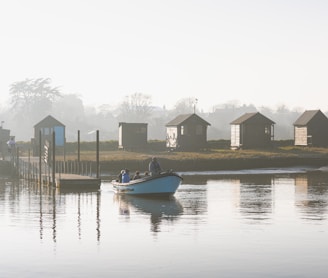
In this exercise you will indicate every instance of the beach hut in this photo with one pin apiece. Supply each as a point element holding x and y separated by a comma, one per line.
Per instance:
<point>311,129</point>
<point>252,130</point>
<point>132,136</point>
<point>186,132</point>
<point>46,127</point>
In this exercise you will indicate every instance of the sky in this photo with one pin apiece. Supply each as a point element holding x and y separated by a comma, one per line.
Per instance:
<point>266,53</point>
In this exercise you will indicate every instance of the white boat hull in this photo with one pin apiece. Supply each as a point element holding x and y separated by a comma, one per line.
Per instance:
<point>163,184</point>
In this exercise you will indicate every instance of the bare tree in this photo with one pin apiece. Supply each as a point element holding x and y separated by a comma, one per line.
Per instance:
<point>136,107</point>
<point>186,105</point>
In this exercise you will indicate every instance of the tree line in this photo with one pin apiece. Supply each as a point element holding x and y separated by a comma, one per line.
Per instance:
<point>31,100</point>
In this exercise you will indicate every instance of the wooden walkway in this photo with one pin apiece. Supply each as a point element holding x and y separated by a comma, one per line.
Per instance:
<point>29,168</point>
<point>75,180</point>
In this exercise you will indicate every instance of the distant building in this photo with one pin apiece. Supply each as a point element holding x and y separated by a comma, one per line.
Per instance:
<point>46,127</point>
<point>186,132</point>
<point>311,129</point>
<point>252,130</point>
<point>132,136</point>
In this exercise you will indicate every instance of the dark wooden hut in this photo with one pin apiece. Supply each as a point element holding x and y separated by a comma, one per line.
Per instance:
<point>311,129</point>
<point>46,127</point>
<point>186,132</point>
<point>132,136</point>
<point>252,130</point>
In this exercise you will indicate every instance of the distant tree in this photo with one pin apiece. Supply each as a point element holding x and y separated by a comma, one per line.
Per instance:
<point>70,111</point>
<point>31,94</point>
<point>185,106</point>
<point>135,107</point>
<point>31,100</point>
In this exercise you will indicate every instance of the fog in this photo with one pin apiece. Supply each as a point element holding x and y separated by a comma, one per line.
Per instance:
<point>20,117</point>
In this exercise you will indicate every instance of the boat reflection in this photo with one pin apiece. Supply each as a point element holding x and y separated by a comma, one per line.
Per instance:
<point>167,209</point>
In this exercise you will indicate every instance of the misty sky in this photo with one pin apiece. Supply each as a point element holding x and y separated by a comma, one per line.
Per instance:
<point>255,52</point>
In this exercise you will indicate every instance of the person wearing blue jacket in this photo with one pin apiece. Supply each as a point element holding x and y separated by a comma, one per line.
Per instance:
<point>125,176</point>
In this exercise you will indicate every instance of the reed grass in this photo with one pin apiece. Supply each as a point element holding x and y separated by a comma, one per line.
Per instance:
<point>120,155</point>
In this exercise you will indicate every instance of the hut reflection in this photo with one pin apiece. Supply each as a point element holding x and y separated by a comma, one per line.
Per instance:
<point>256,197</point>
<point>193,199</point>
<point>311,195</point>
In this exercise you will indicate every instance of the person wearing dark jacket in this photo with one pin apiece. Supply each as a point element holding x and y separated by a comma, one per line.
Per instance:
<point>154,167</point>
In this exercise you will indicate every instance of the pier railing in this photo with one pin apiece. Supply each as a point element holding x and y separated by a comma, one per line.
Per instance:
<point>46,168</point>
<point>29,168</point>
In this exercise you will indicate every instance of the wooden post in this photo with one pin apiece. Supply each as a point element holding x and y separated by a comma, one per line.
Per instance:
<point>78,150</point>
<point>97,175</point>
<point>17,162</point>
<point>78,145</point>
<point>53,159</point>
<point>40,161</point>
<point>29,165</point>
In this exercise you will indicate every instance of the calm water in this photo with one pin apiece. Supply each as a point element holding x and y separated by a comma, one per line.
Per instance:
<point>264,224</point>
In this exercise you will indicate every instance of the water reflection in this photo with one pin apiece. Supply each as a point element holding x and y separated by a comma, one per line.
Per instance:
<point>240,225</point>
<point>256,199</point>
<point>29,203</point>
<point>312,195</point>
<point>194,199</point>
<point>159,209</point>
<point>253,196</point>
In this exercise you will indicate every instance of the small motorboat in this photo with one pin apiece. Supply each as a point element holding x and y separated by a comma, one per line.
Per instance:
<point>164,184</point>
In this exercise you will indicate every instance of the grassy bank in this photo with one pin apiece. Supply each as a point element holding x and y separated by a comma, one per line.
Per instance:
<point>218,156</point>
<point>210,160</point>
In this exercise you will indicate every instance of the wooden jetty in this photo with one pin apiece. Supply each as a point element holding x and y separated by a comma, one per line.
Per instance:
<point>67,174</point>
<point>45,169</point>
<point>76,181</point>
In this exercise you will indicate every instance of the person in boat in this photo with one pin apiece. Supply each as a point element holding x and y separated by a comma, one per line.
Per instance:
<point>136,175</point>
<point>154,167</point>
<point>126,176</point>
<point>120,176</point>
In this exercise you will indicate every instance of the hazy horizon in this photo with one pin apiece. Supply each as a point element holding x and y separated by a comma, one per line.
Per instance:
<point>265,53</point>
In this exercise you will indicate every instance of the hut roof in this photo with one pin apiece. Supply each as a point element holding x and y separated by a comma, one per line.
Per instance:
<point>254,117</point>
<point>181,119</point>
<point>306,117</point>
<point>48,121</point>
<point>131,124</point>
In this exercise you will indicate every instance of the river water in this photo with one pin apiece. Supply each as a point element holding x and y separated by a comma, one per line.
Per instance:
<point>263,223</point>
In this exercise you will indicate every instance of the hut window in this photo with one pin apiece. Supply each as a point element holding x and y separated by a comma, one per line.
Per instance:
<point>182,130</point>
<point>267,130</point>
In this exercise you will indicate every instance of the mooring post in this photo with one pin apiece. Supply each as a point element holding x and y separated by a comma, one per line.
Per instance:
<point>29,165</point>
<point>97,176</point>
<point>78,151</point>
<point>53,158</point>
<point>17,162</point>
<point>40,161</point>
